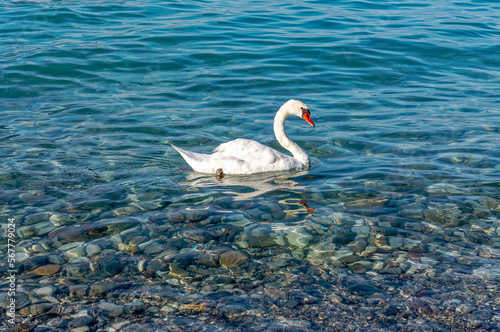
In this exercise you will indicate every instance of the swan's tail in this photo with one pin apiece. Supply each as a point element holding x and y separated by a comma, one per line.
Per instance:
<point>198,161</point>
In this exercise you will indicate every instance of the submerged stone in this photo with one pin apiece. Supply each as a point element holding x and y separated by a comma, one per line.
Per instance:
<point>259,237</point>
<point>232,258</point>
<point>297,236</point>
<point>83,232</point>
<point>47,269</point>
<point>111,309</point>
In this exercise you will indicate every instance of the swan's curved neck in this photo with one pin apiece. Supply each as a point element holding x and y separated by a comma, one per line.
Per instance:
<point>279,131</point>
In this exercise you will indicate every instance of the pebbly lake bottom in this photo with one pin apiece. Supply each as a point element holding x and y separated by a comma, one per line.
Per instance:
<point>254,254</point>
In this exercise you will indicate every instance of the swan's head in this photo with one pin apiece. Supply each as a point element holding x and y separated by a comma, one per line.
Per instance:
<point>298,108</point>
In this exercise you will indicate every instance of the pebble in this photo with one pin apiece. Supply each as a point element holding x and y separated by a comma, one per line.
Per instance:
<point>92,249</point>
<point>335,298</point>
<point>200,236</point>
<point>350,259</point>
<point>43,228</point>
<point>76,252</point>
<point>488,273</point>
<point>380,240</point>
<point>232,258</point>
<point>45,291</point>
<point>465,308</point>
<point>153,248</point>
<point>357,246</point>
<point>47,269</point>
<point>123,324</point>
<point>21,256</point>
<point>56,259</point>
<point>34,218</point>
<point>361,229</point>
<point>358,268</point>
<point>25,232</point>
<point>298,236</point>
<point>111,268</point>
<point>111,309</point>
<point>134,307</point>
<point>38,248</point>
<point>50,299</point>
<point>155,265</point>
<point>167,309</point>
<point>208,260</point>
<point>322,250</point>
<point>176,271</point>
<point>35,309</point>
<point>78,269</point>
<point>100,289</point>
<point>391,270</point>
<point>78,290</point>
<point>259,237</point>
<point>81,319</point>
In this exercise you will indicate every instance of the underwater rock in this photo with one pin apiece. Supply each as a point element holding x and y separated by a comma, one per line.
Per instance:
<point>297,236</point>
<point>47,269</point>
<point>83,232</point>
<point>111,309</point>
<point>232,258</point>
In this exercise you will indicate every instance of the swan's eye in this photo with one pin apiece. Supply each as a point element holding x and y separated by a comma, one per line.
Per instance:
<point>305,111</point>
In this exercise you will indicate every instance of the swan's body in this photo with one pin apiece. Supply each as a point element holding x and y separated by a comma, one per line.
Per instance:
<point>244,156</point>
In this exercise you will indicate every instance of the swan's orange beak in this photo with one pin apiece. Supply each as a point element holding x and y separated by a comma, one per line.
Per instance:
<point>307,116</point>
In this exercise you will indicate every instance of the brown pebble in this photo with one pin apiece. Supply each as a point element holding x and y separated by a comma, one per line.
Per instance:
<point>196,307</point>
<point>47,270</point>
<point>380,240</point>
<point>35,309</point>
<point>66,282</point>
<point>232,258</point>
<point>335,298</point>
<point>275,293</point>
<point>414,256</point>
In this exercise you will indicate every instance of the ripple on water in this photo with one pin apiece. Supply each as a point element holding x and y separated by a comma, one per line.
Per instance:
<point>398,216</point>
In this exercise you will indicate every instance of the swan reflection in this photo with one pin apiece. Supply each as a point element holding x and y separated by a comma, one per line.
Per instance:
<point>248,186</point>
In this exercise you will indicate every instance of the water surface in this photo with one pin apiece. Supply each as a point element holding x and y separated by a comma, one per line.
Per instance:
<point>404,183</point>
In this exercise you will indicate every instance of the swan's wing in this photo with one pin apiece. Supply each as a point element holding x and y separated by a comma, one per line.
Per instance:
<point>249,151</point>
<point>209,163</point>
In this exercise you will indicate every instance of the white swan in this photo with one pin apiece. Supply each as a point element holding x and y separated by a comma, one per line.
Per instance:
<point>244,156</point>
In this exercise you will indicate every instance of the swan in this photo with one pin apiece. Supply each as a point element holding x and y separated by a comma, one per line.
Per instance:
<point>244,156</point>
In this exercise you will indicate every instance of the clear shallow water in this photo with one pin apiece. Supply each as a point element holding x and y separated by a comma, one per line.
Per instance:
<point>404,96</point>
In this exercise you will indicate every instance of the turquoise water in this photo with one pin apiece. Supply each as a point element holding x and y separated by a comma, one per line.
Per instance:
<point>404,95</point>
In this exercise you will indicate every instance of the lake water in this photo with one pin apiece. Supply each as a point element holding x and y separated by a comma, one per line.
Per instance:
<point>394,227</point>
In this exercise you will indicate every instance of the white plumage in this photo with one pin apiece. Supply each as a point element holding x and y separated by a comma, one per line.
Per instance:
<point>244,156</point>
